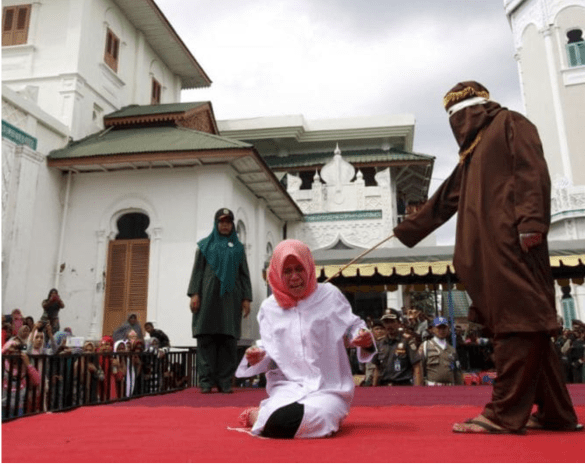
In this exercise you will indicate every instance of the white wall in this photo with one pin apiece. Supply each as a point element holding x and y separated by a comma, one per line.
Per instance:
<point>180,204</point>
<point>31,212</point>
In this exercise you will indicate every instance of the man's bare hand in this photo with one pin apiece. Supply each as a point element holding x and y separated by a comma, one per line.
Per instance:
<point>195,303</point>
<point>530,240</point>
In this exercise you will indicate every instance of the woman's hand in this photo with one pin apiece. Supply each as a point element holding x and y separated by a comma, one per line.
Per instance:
<point>245,308</point>
<point>254,355</point>
<point>363,339</point>
<point>195,303</point>
<point>24,358</point>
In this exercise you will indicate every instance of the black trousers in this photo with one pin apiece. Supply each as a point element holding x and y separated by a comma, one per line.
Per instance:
<point>284,422</point>
<point>217,356</point>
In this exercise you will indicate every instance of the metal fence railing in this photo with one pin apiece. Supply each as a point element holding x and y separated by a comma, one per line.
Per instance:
<point>61,382</point>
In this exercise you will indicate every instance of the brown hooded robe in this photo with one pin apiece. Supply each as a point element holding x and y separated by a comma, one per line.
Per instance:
<point>499,191</point>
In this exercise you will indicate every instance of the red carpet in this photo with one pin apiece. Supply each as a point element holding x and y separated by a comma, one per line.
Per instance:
<point>144,430</point>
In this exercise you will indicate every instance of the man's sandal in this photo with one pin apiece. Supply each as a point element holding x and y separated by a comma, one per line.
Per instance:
<point>533,424</point>
<point>474,426</point>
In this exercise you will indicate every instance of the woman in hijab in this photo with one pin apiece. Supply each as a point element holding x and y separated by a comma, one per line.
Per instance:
<point>221,292</point>
<point>111,368</point>
<point>303,330</point>
<point>120,362</point>
<point>90,373</point>
<point>132,324</point>
<point>17,321</point>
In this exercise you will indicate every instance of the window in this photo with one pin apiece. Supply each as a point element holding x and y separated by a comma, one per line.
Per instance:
<point>576,48</point>
<point>155,95</point>
<point>15,25</point>
<point>241,231</point>
<point>112,50</point>
<point>369,174</point>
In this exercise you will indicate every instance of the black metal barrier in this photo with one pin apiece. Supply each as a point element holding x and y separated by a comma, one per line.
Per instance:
<point>475,357</point>
<point>65,381</point>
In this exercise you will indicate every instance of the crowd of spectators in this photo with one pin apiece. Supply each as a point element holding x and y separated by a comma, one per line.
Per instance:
<point>411,343</point>
<point>570,345</point>
<point>414,349</point>
<point>44,369</point>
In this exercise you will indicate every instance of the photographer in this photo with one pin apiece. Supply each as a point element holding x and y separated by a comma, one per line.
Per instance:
<point>16,375</point>
<point>51,306</point>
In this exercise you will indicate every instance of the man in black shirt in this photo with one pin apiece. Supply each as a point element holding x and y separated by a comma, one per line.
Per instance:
<point>163,339</point>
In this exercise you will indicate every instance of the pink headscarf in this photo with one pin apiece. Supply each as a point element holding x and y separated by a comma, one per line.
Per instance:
<point>303,254</point>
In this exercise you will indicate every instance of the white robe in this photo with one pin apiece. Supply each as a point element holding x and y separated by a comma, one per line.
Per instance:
<point>306,360</point>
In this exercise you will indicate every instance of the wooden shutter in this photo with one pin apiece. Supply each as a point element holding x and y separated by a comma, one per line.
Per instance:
<point>15,21</point>
<point>126,282</point>
<point>112,50</point>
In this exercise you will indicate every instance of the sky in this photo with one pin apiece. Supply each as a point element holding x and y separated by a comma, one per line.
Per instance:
<point>350,58</point>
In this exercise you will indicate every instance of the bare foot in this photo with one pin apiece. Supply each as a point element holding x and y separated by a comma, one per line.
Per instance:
<point>249,416</point>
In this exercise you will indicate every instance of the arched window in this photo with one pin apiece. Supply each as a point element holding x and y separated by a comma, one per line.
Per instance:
<point>576,47</point>
<point>241,231</point>
<point>132,225</point>
<point>269,250</point>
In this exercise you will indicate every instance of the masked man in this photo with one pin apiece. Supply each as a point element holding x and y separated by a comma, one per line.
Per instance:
<point>501,192</point>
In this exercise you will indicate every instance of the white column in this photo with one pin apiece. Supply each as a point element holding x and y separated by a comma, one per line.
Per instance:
<point>97,306</point>
<point>153,276</point>
<point>518,58</point>
<point>26,171</point>
<point>58,272</point>
<point>557,105</point>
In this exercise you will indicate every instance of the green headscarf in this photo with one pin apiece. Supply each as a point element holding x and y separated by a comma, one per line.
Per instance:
<point>224,254</point>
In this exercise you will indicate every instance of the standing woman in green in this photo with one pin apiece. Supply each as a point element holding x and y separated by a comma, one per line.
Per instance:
<point>221,293</point>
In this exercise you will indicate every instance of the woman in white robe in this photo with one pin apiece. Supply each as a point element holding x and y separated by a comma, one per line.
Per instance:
<point>304,327</point>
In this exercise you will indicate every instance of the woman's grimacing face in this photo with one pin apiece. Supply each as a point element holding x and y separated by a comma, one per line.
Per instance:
<point>295,277</point>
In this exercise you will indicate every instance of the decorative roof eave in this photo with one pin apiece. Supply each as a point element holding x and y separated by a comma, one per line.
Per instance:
<point>115,159</point>
<point>176,117</point>
<point>147,17</point>
<point>368,163</point>
<point>250,169</point>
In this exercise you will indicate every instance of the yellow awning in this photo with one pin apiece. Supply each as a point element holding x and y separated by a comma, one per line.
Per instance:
<point>555,261</point>
<point>369,269</point>
<point>422,268</point>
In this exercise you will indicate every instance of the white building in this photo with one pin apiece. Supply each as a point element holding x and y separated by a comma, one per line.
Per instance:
<point>112,218</point>
<point>352,178</point>
<point>549,39</point>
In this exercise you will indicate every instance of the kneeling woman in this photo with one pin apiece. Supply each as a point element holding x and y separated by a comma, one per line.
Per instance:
<point>303,329</point>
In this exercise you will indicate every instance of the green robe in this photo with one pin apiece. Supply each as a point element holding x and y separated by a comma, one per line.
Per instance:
<point>218,315</point>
